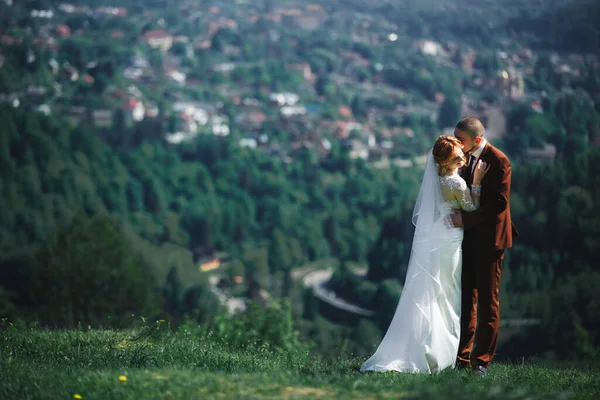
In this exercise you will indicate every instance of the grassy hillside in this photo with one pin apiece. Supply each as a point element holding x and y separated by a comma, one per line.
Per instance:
<point>151,362</point>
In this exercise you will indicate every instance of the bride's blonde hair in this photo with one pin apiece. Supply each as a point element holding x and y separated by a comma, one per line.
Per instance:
<point>443,151</point>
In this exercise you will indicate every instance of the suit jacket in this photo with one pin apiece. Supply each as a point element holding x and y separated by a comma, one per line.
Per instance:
<point>491,223</point>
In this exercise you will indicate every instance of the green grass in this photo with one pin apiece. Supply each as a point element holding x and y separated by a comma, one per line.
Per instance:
<point>159,364</point>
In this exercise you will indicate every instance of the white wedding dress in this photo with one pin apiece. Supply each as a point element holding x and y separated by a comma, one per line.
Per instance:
<point>424,333</point>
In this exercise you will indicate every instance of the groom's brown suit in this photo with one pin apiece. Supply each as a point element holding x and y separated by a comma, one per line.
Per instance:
<point>488,232</point>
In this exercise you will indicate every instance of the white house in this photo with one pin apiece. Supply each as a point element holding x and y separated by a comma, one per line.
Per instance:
<point>429,47</point>
<point>219,126</point>
<point>178,77</point>
<point>199,114</point>
<point>248,142</point>
<point>283,99</point>
<point>134,109</point>
<point>288,111</point>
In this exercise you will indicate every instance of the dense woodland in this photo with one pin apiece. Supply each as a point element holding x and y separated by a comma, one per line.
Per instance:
<point>101,225</point>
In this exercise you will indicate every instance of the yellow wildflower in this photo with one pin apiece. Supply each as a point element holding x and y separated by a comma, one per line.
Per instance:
<point>123,378</point>
<point>77,396</point>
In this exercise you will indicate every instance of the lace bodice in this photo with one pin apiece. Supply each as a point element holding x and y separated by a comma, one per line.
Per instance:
<point>456,193</point>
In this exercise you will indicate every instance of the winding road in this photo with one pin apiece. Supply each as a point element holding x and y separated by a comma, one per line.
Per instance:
<point>317,280</point>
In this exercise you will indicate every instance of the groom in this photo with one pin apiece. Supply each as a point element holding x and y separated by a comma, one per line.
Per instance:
<point>488,232</point>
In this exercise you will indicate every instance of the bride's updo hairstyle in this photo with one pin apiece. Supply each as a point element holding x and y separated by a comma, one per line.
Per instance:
<point>443,151</point>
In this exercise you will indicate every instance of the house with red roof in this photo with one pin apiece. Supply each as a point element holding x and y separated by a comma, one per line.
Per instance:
<point>63,31</point>
<point>159,39</point>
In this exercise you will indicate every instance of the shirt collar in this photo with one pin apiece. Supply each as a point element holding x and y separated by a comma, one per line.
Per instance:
<point>477,153</point>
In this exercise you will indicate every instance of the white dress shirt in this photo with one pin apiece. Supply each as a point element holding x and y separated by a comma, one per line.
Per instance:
<point>477,153</point>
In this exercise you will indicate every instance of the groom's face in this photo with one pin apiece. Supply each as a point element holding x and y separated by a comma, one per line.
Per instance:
<point>469,144</point>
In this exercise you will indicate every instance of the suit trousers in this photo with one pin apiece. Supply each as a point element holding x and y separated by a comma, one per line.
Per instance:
<point>480,319</point>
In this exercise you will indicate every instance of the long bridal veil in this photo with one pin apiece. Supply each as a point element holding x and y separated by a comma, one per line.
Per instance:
<point>408,344</point>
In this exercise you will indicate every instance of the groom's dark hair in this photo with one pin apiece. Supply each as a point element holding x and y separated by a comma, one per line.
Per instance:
<point>472,126</point>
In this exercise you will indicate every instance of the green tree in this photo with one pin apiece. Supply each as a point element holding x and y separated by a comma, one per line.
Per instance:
<point>89,273</point>
<point>386,301</point>
<point>450,111</point>
<point>172,293</point>
<point>280,258</point>
<point>389,256</point>
<point>7,308</point>
<point>201,303</point>
<point>118,134</point>
<point>257,270</point>
<point>359,107</point>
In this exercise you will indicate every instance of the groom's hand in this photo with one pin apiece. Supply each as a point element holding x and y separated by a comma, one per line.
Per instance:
<point>457,219</point>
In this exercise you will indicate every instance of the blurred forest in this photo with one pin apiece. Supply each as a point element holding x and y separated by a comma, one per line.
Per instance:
<point>90,233</point>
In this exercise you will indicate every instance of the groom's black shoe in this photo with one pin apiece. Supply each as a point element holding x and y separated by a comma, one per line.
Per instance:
<point>479,370</point>
<point>461,366</point>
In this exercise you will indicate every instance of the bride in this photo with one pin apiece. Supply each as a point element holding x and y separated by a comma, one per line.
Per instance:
<point>424,333</point>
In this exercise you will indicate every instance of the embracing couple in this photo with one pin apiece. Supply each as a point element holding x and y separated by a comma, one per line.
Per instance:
<point>448,314</point>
